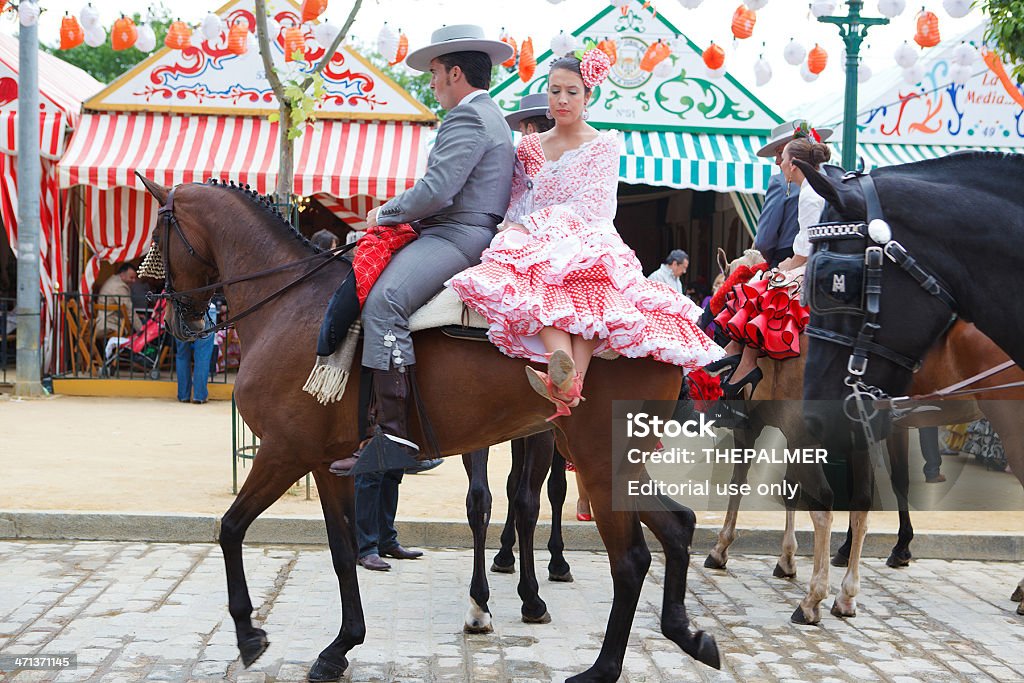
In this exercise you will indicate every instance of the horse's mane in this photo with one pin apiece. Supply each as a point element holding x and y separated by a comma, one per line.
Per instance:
<point>987,171</point>
<point>268,205</point>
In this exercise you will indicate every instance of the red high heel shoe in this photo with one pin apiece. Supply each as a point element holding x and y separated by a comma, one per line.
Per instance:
<point>542,384</point>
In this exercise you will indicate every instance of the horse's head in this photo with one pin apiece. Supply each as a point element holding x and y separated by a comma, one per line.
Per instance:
<point>180,253</point>
<point>871,322</point>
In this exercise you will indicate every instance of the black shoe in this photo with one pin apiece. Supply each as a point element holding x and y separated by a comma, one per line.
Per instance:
<point>424,466</point>
<point>722,365</point>
<point>735,389</point>
<point>373,563</point>
<point>400,553</point>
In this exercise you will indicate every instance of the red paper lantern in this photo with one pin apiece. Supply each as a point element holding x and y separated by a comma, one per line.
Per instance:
<point>124,34</point>
<point>403,49</point>
<point>312,9</point>
<point>927,30</point>
<point>655,54</point>
<point>238,38</point>
<point>178,36</point>
<point>527,62</point>
<point>511,42</point>
<point>71,32</point>
<point>817,59</point>
<point>294,42</point>
<point>743,21</point>
<point>714,57</point>
<point>608,47</point>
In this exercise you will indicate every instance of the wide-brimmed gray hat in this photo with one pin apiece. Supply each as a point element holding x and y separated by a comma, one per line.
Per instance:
<point>531,105</point>
<point>458,38</point>
<point>784,133</point>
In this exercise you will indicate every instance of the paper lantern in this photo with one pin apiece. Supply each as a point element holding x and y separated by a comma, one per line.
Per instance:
<point>620,4</point>
<point>294,42</point>
<point>124,34</point>
<point>905,55</point>
<point>823,8</point>
<point>665,70</point>
<point>71,32</point>
<point>563,44</point>
<point>325,33</point>
<point>891,8</point>
<point>807,74</point>
<point>743,20</point>
<point>147,39</point>
<point>527,62</point>
<point>795,53</point>
<point>95,36</point>
<point>212,27</point>
<point>511,42</point>
<point>960,74</point>
<point>28,13</point>
<point>657,52</point>
<point>927,29</point>
<point>762,72</point>
<point>714,57</point>
<point>914,74</point>
<point>403,49</point>
<point>89,17</point>
<point>178,36</point>
<point>312,9</point>
<point>387,42</point>
<point>817,59</point>
<point>608,47</point>
<point>716,73</point>
<point>273,30</point>
<point>864,73</point>
<point>238,38</point>
<point>755,5</point>
<point>965,54</point>
<point>690,4</point>
<point>957,8</point>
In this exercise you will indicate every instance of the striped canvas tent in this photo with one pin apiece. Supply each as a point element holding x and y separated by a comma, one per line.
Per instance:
<point>680,128</point>
<point>185,116</point>
<point>61,90</point>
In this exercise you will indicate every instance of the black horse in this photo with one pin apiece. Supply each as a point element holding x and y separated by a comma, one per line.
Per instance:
<point>900,253</point>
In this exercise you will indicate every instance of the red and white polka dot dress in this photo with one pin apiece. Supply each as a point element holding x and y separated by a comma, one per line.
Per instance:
<point>572,271</point>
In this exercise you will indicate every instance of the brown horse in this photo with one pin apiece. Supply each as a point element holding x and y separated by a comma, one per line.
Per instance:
<point>475,397</point>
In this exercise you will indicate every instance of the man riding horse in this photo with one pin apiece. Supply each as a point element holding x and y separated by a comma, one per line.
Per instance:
<point>455,207</point>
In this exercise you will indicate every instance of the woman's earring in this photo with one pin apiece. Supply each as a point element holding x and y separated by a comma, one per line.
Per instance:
<point>789,186</point>
<point>586,113</point>
<point>548,114</point>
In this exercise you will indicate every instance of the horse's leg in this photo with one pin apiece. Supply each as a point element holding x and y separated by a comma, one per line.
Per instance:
<point>785,568</point>
<point>719,555</point>
<point>899,465</point>
<point>272,474</point>
<point>1018,594</point>
<point>505,561</point>
<point>337,498</point>
<point>478,510</point>
<point>845,604</point>
<point>558,568</point>
<point>674,530</point>
<point>809,611</point>
<point>534,453</point>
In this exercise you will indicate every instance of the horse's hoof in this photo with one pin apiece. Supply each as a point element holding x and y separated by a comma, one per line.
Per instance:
<point>897,560</point>
<point>478,620</point>
<point>799,617</point>
<point>542,619</point>
<point>252,647</point>
<point>839,560</point>
<point>711,562</point>
<point>843,613</point>
<point>499,569</point>
<point>478,628</point>
<point>596,675</point>
<point>1020,609</point>
<point>322,670</point>
<point>781,573</point>
<point>1018,594</point>
<point>707,650</point>
<point>560,578</point>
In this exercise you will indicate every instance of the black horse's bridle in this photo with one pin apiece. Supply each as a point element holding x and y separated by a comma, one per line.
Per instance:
<point>878,245</point>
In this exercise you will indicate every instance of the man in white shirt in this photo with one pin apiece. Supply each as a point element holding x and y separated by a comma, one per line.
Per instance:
<point>672,269</point>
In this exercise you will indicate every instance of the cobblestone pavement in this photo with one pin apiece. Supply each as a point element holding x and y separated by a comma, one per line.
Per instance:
<point>157,612</point>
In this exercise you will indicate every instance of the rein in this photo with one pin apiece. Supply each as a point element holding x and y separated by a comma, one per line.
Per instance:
<point>958,389</point>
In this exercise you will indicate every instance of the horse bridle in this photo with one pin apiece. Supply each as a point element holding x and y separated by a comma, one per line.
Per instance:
<point>183,302</point>
<point>878,245</point>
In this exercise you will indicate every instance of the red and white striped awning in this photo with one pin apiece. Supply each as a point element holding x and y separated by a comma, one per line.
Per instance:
<point>338,158</point>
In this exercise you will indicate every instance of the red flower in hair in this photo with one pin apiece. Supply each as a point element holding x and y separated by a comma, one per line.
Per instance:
<point>594,67</point>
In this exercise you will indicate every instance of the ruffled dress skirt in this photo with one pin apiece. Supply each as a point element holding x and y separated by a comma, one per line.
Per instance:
<point>761,314</point>
<point>584,280</point>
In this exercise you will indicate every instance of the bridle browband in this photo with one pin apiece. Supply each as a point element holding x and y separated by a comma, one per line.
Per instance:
<point>182,301</point>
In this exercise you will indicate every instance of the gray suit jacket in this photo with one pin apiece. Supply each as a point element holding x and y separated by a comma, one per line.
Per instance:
<point>778,225</point>
<point>469,172</point>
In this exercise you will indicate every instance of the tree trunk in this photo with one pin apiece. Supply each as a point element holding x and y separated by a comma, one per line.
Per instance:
<point>286,155</point>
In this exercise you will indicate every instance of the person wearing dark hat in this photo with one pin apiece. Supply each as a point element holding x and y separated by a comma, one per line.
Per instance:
<point>673,268</point>
<point>777,226</point>
<point>531,116</point>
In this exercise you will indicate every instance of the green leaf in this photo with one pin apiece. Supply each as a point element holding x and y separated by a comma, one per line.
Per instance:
<point>274,118</point>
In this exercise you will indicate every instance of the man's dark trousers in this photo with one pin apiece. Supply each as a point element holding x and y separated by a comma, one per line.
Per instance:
<point>376,506</point>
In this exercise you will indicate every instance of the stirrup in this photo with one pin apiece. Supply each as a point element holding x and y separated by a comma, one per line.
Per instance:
<point>542,384</point>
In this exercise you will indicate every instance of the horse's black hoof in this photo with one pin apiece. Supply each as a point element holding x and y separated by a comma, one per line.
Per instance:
<point>499,569</point>
<point>707,650</point>
<point>322,670</point>
<point>781,573</point>
<point>798,617</point>
<point>711,563</point>
<point>252,647</point>
<point>1018,594</point>
<point>1020,609</point>
<point>837,611</point>
<point>897,560</point>
<point>840,560</point>
<point>542,619</point>
<point>560,578</point>
<point>596,675</point>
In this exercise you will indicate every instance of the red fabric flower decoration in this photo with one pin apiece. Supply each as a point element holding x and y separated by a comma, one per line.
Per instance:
<point>704,389</point>
<point>594,67</point>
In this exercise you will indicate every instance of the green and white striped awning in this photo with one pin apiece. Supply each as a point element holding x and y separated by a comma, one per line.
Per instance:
<point>876,155</point>
<point>698,161</point>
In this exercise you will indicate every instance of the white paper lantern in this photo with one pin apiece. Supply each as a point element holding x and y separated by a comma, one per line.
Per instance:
<point>905,55</point>
<point>95,36</point>
<point>690,4</point>
<point>762,72</point>
<point>563,43</point>
<point>554,2</point>
<point>755,4</point>
<point>965,54</point>
<point>913,75</point>
<point>864,73</point>
<point>89,17</point>
<point>273,30</point>
<point>957,8</point>
<point>807,75</point>
<point>325,32</point>
<point>715,73</point>
<point>678,45</point>
<point>960,74</point>
<point>619,3</point>
<point>665,69</point>
<point>795,53</point>
<point>28,13</point>
<point>387,42</point>
<point>212,27</point>
<point>146,41</point>
<point>823,8</point>
<point>891,8</point>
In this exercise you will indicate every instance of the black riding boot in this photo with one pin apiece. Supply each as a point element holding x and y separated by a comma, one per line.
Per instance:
<point>389,447</point>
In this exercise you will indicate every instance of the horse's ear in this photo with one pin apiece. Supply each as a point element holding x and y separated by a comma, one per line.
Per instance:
<point>155,188</point>
<point>723,261</point>
<point>828,185</point>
